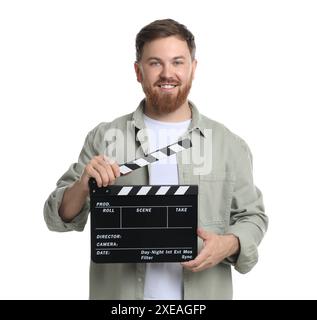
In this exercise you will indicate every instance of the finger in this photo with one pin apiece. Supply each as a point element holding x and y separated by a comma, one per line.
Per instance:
<point>92,173</point>
<point>113,164</point>
<point>197,266</point>
<point>108,159</point>
<point>205,265</point>
<point>110,174</point>
<point>203,255</point>
<point>116,169</point>
<point>194,263</point>
<point>109,169</point>
<point>102,170</point>
<point>188,264</point>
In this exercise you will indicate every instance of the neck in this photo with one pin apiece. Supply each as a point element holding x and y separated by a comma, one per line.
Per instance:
<point>182,113</point>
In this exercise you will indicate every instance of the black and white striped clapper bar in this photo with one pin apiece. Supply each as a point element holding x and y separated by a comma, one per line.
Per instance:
<point>148,223</point>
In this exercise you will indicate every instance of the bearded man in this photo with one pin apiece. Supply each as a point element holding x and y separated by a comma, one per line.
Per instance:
<point>231,216</point>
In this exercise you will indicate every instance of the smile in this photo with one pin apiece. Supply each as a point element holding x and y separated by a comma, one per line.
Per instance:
<point>167,86</point>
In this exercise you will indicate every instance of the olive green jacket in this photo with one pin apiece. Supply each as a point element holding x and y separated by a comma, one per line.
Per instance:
<point>219,162</point>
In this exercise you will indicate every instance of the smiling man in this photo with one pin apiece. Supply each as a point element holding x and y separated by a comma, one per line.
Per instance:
<point>231,215</point>
<point>166,70</point>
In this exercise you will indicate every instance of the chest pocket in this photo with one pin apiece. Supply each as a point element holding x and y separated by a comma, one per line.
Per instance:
<point>215,196</point>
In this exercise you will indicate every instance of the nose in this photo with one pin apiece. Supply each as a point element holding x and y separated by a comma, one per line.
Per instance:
<point>167,71</point>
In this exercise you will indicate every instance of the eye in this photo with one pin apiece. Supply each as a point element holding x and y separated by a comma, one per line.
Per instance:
<point>155,63</point>
<point>178,62</point>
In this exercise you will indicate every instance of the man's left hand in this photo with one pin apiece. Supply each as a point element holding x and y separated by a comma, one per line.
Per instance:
<point>215,249</point>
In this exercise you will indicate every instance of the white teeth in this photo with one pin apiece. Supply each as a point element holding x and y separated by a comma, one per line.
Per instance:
<point>167,86</point>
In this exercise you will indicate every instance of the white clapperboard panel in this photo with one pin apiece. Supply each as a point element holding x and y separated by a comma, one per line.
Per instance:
<point>144,223</point>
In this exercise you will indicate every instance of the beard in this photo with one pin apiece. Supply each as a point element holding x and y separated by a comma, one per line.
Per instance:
<point>165,102</point>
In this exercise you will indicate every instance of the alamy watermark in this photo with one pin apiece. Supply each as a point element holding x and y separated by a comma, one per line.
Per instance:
<point>121,146</point>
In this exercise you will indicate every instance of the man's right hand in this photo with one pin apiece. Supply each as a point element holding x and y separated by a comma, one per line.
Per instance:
<point>103,169</point>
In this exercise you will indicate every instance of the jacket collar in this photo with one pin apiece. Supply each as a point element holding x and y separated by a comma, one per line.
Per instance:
<point>196,123</point>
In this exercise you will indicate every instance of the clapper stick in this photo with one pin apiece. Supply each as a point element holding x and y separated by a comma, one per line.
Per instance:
<point>155,156</point>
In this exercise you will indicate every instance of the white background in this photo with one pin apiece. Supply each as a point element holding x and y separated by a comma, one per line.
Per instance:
<point>65,66</point>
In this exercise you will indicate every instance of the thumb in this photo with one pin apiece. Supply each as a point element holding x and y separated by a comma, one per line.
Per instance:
<point>203,234</point>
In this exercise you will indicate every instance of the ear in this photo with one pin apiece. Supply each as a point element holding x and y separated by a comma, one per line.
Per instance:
<point>138,72</point>
<point>194,65</point>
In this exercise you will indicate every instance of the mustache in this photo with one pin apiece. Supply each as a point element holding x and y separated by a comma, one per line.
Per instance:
<point>167,81</point>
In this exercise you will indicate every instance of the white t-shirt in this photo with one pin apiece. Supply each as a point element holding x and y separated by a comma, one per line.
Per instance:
<point>164,280</point>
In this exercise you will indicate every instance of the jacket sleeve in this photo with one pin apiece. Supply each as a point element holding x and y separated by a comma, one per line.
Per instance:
<point>52,204</point>
<point>248,221</point>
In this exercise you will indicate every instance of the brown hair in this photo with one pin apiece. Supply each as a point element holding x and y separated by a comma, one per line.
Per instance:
<point>162,29</point>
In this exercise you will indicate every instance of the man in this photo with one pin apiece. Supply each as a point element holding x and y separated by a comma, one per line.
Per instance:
<point>231,215</point>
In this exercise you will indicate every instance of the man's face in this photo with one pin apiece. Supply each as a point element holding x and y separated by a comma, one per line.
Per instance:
<point>166,71</point>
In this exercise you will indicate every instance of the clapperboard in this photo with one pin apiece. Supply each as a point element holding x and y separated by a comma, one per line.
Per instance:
<point>151,223</point>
